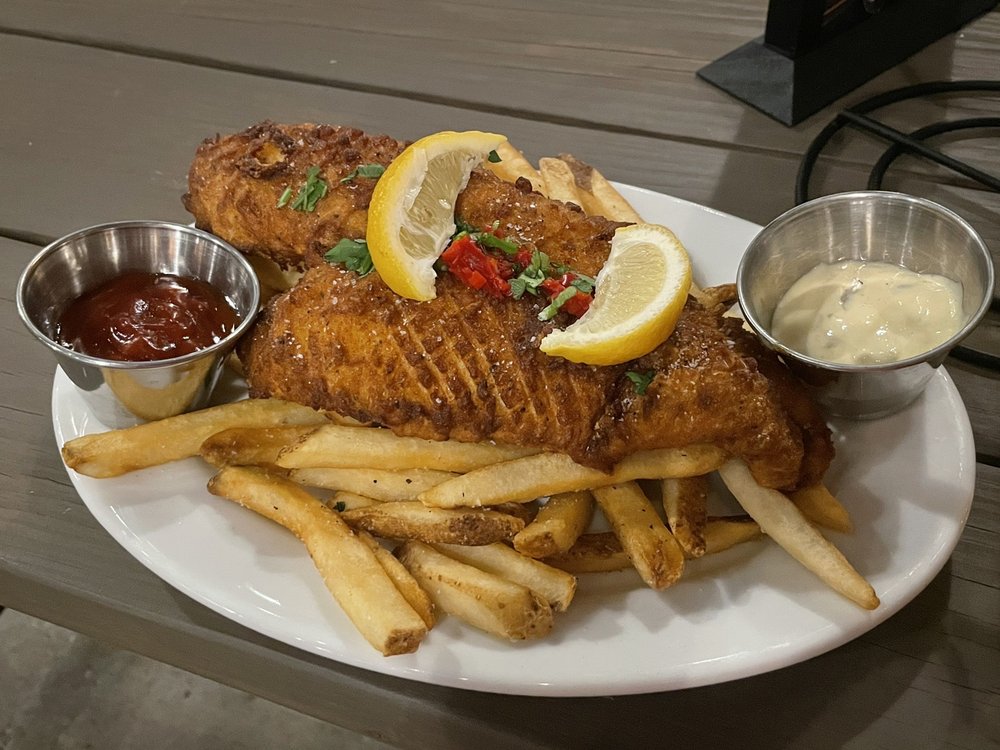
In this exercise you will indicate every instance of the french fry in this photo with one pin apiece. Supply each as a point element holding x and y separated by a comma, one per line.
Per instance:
<point>723,532</point>
<point>404,581</point>
<point>414,520</point>
<point>557,526</point>
<point>525,511</point>
<point>111,454</point>
<point>556,586</point>
<point>685,504</point>
<point>819,505</point>
<point>592,553</point>
<point>250,446</point>
<point>602,552</point>
<point>234,363</point>
<point>559,182</point>
<point>610,202</point>
<point>582,173</point>
<point>342,501</point>
<point>273,279</point>
<point>782,521</point>
<point>512,165</point>
<point>546,474</point>
<point>347,564</point>
<point>650,546</point>
<point>340,447</point>
<point>481,599</point>
<point>387,486</point>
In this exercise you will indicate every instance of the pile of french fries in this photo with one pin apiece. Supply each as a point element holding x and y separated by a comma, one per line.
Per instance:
<point>494,535</point>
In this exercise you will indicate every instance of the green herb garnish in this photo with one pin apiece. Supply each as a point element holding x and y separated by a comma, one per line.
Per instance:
<point>493,157</point>
<point>531,277</point>
<point>371,171</point>
<point>486,239</point>
<point>584,283</point>
<point>560,299</point>
<point>640,380</point>
<point>309,194</point>
<point>340,506</point>
<point>353,255</point>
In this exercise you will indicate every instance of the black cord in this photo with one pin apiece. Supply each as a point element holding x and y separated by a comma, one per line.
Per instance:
<point>882,100</point>
<point>938,128</point>
<point>902,143</point>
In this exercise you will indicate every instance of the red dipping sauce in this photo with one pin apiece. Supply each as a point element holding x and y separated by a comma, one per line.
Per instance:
<point>141,317</point>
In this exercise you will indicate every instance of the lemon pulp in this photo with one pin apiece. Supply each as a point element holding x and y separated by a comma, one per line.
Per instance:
<point>639,296</point>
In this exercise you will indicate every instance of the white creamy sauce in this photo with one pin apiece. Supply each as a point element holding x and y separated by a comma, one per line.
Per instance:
<point>867,312</point>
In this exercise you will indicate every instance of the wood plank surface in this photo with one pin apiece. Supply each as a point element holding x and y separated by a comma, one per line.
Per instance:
<point>115,134</point>
<point>585,62</point>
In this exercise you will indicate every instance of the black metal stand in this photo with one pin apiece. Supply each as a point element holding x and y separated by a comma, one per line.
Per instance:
<point>815,51</point>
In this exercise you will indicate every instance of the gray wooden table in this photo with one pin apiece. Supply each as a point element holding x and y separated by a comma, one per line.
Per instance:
<point>103,105</point>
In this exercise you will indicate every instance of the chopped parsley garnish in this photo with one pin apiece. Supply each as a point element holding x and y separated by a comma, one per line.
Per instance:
<point>531,277</point>
<point>353,255</point>
<point>340,506</point>
<point>371,171</point>
<point>493,157</point>
<point>481,259</point>
<point>640,380</point>
<point>584,283</point>
<point>309,194</point>
<point>560,299</point>
<point>486,239</point>
<point>581,281</point>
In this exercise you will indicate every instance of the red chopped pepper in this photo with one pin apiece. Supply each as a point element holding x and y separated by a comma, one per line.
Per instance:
<point>478,270</point>
<point>576,305</point>
<point>482,266</point>
<point>523,257</point>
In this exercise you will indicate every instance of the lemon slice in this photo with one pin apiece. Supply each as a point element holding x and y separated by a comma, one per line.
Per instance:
<point>638,298</point>
<point>412,211</point>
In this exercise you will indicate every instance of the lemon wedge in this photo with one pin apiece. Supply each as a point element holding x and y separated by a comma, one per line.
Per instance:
<point>638,297</point>
<point>412,211</point>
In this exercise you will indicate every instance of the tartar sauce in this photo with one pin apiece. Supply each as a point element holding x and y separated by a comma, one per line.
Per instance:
<point>867,312</point>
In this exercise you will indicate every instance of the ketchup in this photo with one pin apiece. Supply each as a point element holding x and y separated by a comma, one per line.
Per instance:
<point>140,317</point>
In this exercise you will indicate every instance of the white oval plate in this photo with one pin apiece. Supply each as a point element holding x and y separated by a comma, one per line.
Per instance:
<point>907,480</point>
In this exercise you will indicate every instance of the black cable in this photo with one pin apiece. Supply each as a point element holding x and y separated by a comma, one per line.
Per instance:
<point>889,97</point>
<point>938,128</point>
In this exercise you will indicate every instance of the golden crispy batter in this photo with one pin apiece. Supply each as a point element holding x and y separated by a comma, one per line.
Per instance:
<point>467,366</point>
<point>715,383</point>
<point>235,183</point>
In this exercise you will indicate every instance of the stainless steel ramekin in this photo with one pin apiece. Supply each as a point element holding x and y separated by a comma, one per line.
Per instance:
<point>123,393</point>
<point>877,226</point>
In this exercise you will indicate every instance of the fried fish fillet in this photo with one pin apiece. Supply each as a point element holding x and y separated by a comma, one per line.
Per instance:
<point>465,365</point>
<point>235,183</point>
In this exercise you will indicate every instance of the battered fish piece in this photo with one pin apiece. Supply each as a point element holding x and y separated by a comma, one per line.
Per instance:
<point>236,181</point>
<point>467,366</point>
